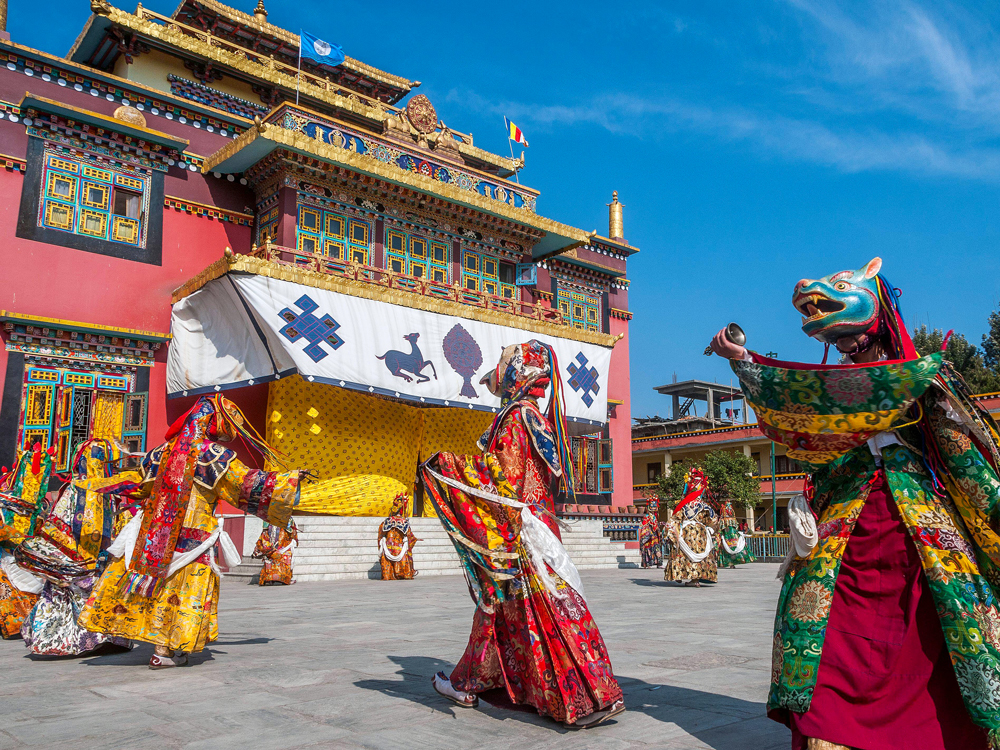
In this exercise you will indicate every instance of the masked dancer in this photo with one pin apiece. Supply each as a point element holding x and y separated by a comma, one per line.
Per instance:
<point>275,547</point>
<point>733,547</point>
<point>396,542</point>
<point>887,633</point>
<point>163,588</point>
<point>693,551</point>
<point>532,633</point>
<point>651,537</point>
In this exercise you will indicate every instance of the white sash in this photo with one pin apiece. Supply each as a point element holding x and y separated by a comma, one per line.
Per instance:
<point>384,550</point>
<point>695,557</point>
<point>124,546</point>
<point>741,543</point>
<point>802,530</point>
<point>21,579</point>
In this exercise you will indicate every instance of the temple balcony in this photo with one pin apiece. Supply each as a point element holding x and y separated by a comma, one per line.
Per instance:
<point>357,279</point>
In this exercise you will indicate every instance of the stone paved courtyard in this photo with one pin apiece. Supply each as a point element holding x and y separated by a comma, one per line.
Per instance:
<point>347,664</point>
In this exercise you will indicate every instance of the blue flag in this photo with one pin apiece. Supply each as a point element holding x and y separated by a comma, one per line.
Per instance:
<point>314,48</point>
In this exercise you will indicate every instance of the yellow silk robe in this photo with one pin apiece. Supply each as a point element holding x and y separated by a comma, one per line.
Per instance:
<point>183,615</point>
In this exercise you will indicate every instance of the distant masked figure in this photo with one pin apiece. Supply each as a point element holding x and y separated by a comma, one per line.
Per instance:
<point>733,547</point>
<point>694,549</point>
<point>275,547</point>
<point>650,537</point>
<point>396,541</point>
<point>532,633</point>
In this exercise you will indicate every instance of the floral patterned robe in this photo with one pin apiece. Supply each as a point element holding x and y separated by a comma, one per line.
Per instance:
<point>545,651</point>
<point>951,525</point>
<point>76,532</point>
<point>21,507</point>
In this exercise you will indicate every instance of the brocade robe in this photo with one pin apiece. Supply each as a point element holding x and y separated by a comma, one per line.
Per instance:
<point>954,579</point>
<point>543,650</point>
<point>182,614</point>
<point>274,547</point>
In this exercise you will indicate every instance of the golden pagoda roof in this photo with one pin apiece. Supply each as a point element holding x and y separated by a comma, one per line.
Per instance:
<point>266,137</point>
<point>166,32</point>
<point>265,27</point>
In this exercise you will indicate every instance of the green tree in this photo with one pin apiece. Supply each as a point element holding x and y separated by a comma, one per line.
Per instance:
<point>991,343</point>
<point>965,357</point>
<point>731,476</point>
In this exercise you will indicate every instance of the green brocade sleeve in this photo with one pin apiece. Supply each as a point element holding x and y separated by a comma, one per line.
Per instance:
<point>966,465</point>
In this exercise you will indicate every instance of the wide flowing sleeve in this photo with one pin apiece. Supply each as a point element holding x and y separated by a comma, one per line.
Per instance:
<point>526,471</point>
<point>269,495</point>
<point>970,470</point>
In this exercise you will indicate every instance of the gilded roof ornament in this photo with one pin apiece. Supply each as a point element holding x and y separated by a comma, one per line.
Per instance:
<point>130,115</point>
<point>422,114</point>
<point>616,219</point>
<point>260,12</point>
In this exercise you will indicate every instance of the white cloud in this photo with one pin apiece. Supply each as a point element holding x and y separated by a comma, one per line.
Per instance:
<point>899,89</point>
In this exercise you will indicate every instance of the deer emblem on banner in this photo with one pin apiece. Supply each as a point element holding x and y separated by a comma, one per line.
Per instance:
<point>400,363</point>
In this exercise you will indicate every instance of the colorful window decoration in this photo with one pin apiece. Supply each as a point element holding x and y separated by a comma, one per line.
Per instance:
<point>325,232</point>
<point>585,450</point>
<point>64,406</point>
<point>488,274</point>
<point>417,256</point>
<point>581,308</point>
<point>92,200</point>
<point>267,225</point>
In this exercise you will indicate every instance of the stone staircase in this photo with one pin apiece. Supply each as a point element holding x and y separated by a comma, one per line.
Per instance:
<point>341,547</point>
<point>246,572</point>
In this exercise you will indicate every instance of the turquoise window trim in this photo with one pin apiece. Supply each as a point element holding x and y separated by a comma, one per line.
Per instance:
<point>580,307</point>
<point>331,233</point>
<point>417,255</point>
<point>481,273</point>
<point>78,197</point>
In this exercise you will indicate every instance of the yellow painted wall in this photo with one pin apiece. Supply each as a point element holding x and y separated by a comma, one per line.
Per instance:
<point>365,450</point>
<point>152,68</point>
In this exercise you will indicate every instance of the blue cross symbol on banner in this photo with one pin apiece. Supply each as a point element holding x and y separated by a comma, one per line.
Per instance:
<point>317,331</point>
<point>583,379</point>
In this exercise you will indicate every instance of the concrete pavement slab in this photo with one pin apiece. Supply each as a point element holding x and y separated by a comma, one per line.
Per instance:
<point>347,664</point>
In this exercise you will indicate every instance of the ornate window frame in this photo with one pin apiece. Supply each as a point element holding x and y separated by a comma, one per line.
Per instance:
<point>74,219</point>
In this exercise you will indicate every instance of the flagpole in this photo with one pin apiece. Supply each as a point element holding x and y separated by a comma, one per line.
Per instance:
<point>511,147</point>
<point>299,74</point>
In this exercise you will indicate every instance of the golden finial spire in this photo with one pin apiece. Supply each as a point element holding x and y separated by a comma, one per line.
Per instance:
<point>616,221</point>
<point>260,12</point>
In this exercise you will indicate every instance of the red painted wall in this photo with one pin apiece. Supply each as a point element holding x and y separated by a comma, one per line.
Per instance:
<point>68,284</point>
<point>620,425</point>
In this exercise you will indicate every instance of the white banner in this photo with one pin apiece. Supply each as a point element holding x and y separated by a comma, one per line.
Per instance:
<point>243,329</point>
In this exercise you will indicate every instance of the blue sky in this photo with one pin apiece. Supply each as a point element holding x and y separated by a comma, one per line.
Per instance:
<point>754,143</point>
